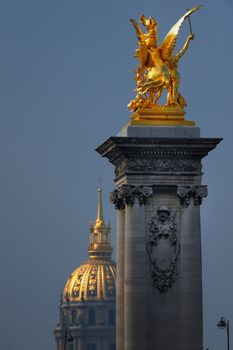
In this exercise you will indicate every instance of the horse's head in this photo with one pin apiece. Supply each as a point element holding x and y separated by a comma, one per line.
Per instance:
<point>151,36</point>
<point>150,23</point>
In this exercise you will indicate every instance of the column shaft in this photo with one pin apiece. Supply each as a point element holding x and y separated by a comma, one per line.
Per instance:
<point>135,292</point>
<point>120,240</point>
<point>191,279</point>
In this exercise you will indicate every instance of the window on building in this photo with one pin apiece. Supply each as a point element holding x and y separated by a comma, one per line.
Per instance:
<point>112,317</point>
<point>73,316</point>
<point>91,346</point>
<point>91,317</point>
<point>112,346</point>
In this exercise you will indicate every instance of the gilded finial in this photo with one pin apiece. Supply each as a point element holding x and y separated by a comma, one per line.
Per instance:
<point>100,207</point>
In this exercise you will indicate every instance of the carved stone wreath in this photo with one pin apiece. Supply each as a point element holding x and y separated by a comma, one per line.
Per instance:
<point>163,249</point>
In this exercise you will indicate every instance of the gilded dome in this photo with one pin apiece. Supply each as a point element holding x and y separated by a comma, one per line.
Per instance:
<point>95,280</point>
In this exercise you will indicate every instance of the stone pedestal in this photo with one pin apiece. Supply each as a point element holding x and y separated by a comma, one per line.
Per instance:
<point>157,196</point>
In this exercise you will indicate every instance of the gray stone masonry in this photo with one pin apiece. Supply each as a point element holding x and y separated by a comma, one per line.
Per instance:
<point>159,131</point>
<point>157,196</point>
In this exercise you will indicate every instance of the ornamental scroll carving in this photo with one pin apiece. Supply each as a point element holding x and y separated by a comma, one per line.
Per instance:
<point>163,248</point>
<point>185,193</point>
<point>125,195</point>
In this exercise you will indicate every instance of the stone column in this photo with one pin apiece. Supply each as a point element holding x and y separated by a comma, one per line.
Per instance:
<point>191,267</point>
<point>120,255</point>
<point>133,272</point>
<point>135,311</point>
<point>158,184</point>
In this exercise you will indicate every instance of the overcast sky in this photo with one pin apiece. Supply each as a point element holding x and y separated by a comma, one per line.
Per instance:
<point>65,80</point>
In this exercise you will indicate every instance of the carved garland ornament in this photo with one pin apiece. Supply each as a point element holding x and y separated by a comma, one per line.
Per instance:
<point>92,283</point>
<point>187,192</point>
<point>77,284</point>
<point>110,285</point>
<point>163,248</point>
<point>125,195</point>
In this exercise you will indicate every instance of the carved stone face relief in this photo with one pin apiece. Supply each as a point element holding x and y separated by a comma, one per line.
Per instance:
<point>163,248</point>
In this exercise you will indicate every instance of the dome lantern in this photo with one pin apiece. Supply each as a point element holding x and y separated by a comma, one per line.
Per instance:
<point>100,243</point>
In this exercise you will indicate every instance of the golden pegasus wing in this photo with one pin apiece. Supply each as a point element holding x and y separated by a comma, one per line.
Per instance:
<point>141,52</point>
<point>139,32</point>
<point>169,41</point>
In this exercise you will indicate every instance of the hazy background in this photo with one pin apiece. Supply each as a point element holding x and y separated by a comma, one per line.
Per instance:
<point>65,80</point>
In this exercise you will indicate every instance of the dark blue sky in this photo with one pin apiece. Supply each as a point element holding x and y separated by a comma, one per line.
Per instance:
<point>65,80</point>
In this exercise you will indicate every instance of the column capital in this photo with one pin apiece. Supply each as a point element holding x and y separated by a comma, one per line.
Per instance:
<point>197,192</point>
<point>125,195</point>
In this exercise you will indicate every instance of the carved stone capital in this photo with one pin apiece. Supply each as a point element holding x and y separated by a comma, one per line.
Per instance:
<point>185,193</point>
<point>125,195</point>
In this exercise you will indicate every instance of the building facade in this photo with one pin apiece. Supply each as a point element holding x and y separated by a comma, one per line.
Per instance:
<point>87,305</point>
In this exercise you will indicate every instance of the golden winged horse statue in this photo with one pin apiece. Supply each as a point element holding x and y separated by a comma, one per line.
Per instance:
<point>158,65</point>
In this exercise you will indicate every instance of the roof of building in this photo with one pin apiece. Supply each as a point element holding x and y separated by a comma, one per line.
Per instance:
<point>95,279</point>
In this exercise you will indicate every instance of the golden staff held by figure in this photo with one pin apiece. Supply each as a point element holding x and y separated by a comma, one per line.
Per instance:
<point>190,25</point>
<point>158,66</point>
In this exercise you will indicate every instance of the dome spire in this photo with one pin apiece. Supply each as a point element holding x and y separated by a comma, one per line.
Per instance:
<point>100,244</point>
<point>100,206</point>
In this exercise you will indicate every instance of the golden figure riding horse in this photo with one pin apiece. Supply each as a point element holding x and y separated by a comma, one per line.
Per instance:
<point>158,68</point>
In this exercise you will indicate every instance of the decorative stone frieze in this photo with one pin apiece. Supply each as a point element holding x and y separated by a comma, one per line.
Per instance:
<point>125,195</point>
<point>157,165</point>
<point>156,155</point>
<point>163,248</point>
<point>163,165</point>
<point>185,193</point>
